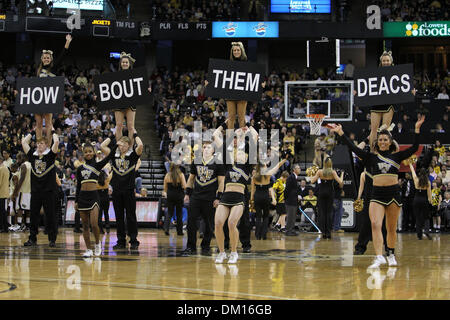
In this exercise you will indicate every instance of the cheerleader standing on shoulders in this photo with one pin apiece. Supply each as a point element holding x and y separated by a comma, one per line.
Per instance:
<point>386,196</point>
<point>47,65</point>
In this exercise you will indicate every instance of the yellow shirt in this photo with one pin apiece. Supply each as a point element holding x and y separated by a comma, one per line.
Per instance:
<point>310,199</point>
<point>290,141</point>
<point>278,187</point>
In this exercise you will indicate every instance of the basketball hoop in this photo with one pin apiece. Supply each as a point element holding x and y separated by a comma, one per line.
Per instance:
<point>315,123</point>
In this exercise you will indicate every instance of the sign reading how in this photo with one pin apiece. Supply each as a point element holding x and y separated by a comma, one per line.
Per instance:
<point>384,85</point>
<point>121,90</point>
<point>235,80</point>
<point>40,95</point>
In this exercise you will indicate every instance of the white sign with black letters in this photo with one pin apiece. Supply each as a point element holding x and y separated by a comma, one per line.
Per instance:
<point>384,85</point>
<point>121,90</point>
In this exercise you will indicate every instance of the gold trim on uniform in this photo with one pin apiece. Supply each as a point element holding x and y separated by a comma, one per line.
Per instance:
<point>384,111</point>
<point>385,174</point>
<point>44,173</point>
<point>89,180</point>
<point>205,183</point>
<point>85,209</point>
<point>390,161</point>
<point>387,204</point>
<point>91,168</point>
<point>124,173</point>
<point>241,172</point>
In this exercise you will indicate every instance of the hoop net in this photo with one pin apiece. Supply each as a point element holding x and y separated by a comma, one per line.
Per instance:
<point>315,123</point>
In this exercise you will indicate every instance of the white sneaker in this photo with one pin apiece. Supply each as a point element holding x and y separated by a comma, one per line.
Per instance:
<point>391,260</point>
<point>222,256</point>
<point>98,249</point>
<point>88,253</point>
<point>379,260</point>
<point>233,257</point>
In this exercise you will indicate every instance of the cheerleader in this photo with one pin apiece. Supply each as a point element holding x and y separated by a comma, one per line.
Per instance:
<point>231,205</point>
<point>174,187</point>
<point>422,201</point>
<point>103,192</point>
<point>87,200</point>
<point>326,195</point>
<point>47,65</point>
<point>386,196</point>
<point>262,195</point>
<point>239,107</point>
<point>126,62</point>
<point>383,113</point>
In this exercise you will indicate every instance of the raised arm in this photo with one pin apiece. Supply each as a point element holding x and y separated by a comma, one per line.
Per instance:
<point>338,179</point>
<point>316,176</point>
<point>414,175</point>
<point>274,170</point>
<point>26,143</point>
<point>55,143</point>
<point>360,153</point>
<point>104,147</point>
<point>218,135</point>
<point>139,145</point>
<point>405,154</point>
<point>362,181</point>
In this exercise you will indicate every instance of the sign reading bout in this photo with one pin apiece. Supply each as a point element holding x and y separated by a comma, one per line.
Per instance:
<point>121,90</point>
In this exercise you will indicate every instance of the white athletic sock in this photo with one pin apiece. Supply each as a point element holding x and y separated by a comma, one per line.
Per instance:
<point>27,220</point>
<point>19,220</point>
<point>434,226</point>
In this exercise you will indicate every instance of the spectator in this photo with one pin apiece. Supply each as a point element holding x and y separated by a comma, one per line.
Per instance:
<point>443,94</point>
<point>349,70</point>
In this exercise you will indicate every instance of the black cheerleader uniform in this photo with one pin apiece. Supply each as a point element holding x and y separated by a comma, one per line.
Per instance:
<point>89,172</point>
<point>175,195</point>
<point>384,163</point>
<point>422,212</point>
<point>383,108</point>
<point>237,174</point>
<point>262,204</point>
<point>325,203</point>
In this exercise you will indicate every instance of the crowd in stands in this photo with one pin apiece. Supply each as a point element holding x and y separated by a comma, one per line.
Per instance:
<point>9,6</point>
<point>195,10</point>
<point>413,10</point>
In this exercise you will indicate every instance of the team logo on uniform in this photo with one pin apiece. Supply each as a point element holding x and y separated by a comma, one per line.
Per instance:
<point>122,165</point>
<point>86,174</point>
<point>235,176</point>
<point>40,166</point>
<point>204,174</point>
<point>384,167</point>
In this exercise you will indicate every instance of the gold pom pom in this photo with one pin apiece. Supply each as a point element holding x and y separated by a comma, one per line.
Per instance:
<point>358,205</point>
<point>311,171</point>
<point>410,160</point>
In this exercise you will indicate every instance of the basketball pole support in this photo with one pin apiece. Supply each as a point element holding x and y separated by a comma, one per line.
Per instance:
<point>310,220</point>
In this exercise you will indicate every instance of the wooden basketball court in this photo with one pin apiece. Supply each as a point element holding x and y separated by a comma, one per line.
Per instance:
<point>302,267</point>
